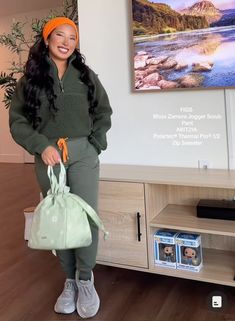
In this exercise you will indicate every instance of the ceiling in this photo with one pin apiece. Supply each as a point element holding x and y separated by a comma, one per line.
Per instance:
<point>11,7</point>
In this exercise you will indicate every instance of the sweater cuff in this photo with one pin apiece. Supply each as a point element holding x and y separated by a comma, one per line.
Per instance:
<point>95,143</point>
<point>39,144</point>
<point>39,150</point>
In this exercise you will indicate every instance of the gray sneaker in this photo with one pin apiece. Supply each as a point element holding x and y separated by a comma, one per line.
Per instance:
<point>66,302</point>
<point>88,302</point>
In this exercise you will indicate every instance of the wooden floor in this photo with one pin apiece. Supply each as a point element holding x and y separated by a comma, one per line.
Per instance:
<point>30,281</point>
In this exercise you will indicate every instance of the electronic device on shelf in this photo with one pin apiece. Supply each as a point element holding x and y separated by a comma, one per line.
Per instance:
<point>216,209</point>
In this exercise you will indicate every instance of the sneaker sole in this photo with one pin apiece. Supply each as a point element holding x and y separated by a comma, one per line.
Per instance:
<point>67,311</point>
<point>84,316</point>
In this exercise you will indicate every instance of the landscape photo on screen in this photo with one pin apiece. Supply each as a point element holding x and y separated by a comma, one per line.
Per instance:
<point>183,44</point>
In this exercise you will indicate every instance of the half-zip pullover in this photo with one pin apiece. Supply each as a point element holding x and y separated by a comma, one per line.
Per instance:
<point>72,118</point>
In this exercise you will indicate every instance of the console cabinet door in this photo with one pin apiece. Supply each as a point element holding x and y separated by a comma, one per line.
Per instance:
<point>119,205</point>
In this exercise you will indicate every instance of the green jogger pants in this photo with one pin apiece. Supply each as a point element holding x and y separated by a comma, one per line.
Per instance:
<point>82,169</point>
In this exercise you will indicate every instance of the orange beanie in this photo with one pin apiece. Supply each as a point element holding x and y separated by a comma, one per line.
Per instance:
<point>56,22</point>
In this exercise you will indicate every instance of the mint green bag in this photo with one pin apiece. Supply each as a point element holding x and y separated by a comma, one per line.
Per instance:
<point>60,220</point>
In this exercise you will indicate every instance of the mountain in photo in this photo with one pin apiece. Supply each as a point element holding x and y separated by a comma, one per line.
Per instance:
<point>227,19</point>
<point>204,9</point>
<point>156,18</point>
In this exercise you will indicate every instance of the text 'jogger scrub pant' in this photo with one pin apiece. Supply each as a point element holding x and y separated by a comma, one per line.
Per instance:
<point>82,170</point>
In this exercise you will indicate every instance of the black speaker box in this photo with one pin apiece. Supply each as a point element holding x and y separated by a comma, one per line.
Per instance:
<point>217,209</point>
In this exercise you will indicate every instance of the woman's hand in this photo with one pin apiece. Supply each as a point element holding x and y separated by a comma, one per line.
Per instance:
<point>50,156</point>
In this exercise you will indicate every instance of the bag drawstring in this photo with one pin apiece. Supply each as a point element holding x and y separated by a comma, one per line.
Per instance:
<point>64,148</point>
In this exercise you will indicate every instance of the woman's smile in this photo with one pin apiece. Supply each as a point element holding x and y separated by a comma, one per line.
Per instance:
<point>63,49</point>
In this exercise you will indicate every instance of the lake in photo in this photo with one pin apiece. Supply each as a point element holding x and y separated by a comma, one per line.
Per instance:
<point>183,44</point>
<point>216,45</point>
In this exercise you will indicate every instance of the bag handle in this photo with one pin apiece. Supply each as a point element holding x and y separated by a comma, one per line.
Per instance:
<point>55,185</point>
<point>53,180</point>
<point>62,177</point>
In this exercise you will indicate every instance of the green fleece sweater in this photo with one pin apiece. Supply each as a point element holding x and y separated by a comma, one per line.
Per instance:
<point>72,118</point>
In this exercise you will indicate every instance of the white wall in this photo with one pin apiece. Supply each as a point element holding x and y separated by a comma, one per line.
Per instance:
<point>105,40</point>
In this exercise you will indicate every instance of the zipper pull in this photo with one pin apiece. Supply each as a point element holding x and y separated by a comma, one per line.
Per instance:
<point>61,86</point>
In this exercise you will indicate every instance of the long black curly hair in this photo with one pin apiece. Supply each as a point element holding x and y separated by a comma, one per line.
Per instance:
<point>36,72</point>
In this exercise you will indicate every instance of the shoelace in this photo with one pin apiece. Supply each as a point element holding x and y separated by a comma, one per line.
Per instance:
<point>69,286</point>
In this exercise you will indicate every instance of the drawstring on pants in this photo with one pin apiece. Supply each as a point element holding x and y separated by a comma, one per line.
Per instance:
<point>64,148</point>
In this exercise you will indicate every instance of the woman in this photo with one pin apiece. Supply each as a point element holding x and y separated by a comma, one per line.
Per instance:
<point>60,109</point>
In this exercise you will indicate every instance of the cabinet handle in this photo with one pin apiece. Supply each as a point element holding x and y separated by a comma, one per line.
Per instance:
<point>138,226</point>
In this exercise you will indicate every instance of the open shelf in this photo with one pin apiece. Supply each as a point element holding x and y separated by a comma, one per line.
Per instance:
<point>184,218</point>
<point>218,267</point>
<point>156,187</point>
